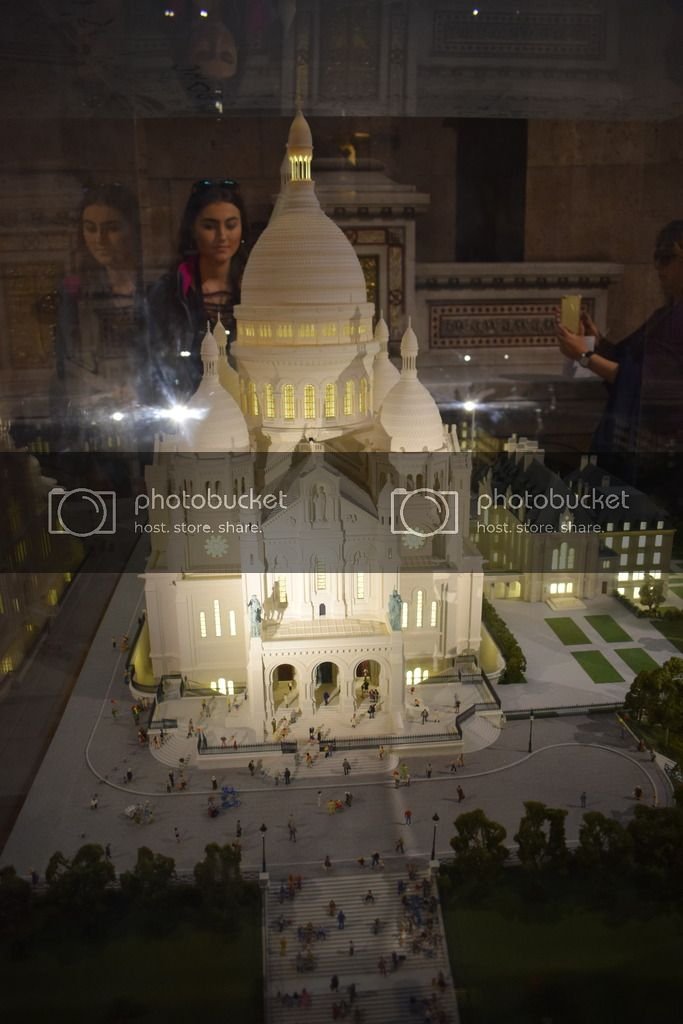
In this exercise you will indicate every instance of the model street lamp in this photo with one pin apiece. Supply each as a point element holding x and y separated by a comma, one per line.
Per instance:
<point>263,830</point>
<point>435,819</point>
<point>531,730</point>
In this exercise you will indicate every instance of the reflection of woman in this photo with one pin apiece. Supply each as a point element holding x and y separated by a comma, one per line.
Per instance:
<point>100,323</point>
<point>204,285</point>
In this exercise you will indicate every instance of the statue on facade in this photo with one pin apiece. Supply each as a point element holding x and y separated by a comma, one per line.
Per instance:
<point>255,615</point>
<point>395,603</point>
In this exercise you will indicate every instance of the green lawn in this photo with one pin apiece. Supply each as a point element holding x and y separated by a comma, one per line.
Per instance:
<point>672,629</point>
<point>568,631</point>
<point>636,658</point>
<point>677,589</point>
<point>597,666</point>
<point>189,974</point>
<point>609,630</point>
<point>518,962</point>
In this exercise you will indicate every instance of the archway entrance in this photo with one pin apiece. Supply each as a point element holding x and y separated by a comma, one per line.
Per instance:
<point>326,684</point>
<point>367,682</point>
<point>285,687</point>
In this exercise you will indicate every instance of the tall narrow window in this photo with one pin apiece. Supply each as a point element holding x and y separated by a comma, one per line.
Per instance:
<point>309,402</point>
<point>330,401</point>
<point>202,625</point>
<point>433,614</point>
<point>269,401</point>
<point>360,586</point>
<point>253,399</point>
<point>217,618</point>
<point>281,589</point>
<point>232,623</point>
<point>320,575</point>
<point>288,401</point>
<point>419,608</point>
<point>363,395</point>
<point>349,397</point>
<point>404,615</point>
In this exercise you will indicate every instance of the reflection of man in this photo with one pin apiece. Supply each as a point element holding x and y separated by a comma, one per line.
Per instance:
<point>644,372</point>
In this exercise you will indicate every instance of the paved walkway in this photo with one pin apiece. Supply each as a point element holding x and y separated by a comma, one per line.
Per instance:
<point>379,967</point>
<point>92,752</point>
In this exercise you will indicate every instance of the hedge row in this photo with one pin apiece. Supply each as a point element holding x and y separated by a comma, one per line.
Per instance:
<point>515,662</point>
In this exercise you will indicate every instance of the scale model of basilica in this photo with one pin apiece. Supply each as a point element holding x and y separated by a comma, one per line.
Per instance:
<point>294,606</point>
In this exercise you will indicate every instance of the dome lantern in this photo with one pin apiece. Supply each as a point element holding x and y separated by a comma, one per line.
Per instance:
<point>300,149</point>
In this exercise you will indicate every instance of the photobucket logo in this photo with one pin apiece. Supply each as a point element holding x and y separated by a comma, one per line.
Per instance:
<point>561,501</point>
<point>214,502</point>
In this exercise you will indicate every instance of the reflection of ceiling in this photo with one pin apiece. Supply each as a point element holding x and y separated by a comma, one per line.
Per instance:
<point>518,58</point>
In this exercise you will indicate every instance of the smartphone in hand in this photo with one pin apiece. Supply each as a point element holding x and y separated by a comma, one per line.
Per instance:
<point>570,313</point>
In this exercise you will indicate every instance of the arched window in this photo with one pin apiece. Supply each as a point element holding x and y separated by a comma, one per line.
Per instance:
<point>309,402</point>
<point>349,397</point>
<point>409,677</point>
<point>363,395</point>
<point>253,399</point>
<point>288,401</point>
<point>269,401</point>
<point>330,401</point>
<point>555,559</point>
<point>433,617</point>
<point>419,608</point>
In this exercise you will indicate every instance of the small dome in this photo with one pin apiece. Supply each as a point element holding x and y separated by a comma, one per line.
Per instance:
<point>411,418</point>
<point>409,345</point>
<point>300,136</point>
<point>409,414</point>
<point>214,422</point>
<point>381,331</point>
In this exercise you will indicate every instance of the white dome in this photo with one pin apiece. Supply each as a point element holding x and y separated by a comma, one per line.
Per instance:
<point>302,258</point>
<point>384,374</point>
<point>411,418</point>
<point>409,414</point>
<point>300,136</point>
<point>214,421</point>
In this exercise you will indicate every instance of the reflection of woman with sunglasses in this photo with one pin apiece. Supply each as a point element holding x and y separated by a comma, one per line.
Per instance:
<point>204,285</point>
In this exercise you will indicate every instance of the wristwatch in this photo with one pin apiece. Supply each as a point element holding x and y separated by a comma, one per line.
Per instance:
<point>584,359</point>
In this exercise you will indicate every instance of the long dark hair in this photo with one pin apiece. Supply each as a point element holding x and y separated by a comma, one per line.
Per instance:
<point>121,199</point>
<point>202,195</point>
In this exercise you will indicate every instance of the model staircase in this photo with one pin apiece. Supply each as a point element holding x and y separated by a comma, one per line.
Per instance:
<point>363,762</point>
<point>380,999</point>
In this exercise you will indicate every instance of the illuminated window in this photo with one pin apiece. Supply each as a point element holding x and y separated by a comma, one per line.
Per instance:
<point>52,596</point>
<point>363,396</point>
<point>6,665</point>
<point>570,588</point>
<point>417,675</point>
<point>281,589</point>
<point>68,577</point>
<point>330,401</point>
<point>609,526</point>
<point>625,542</point>
<point>232,623</point>
<point>658,540</point>
<point>309,402</point>
<point>433,614</point>
<point>320,575</point>
<point>622,577</point>
<point>419,608</point>
<point>656,558</point>
<point>360,586</point>
<point>202,625</point>
<point>640,559</point>
<point>620,590</point>
<point>404,615</point>
<point>626,526</point>
<point>269,401</point>
<point>623,559</point>
<point>217,619</point>
<point>553,588</point>
<point>660,524</point>
<point>409,677</point>
<point>642,541</point>
<point>349,398</point>
<point>16,604</point>
<point>288,401</point>
<point>636,593</point>
<point>643,524</point>
<point>252,399</point>
<point>2,605</point>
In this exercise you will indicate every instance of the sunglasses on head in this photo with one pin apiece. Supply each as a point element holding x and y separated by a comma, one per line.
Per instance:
<point>207,183</point>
